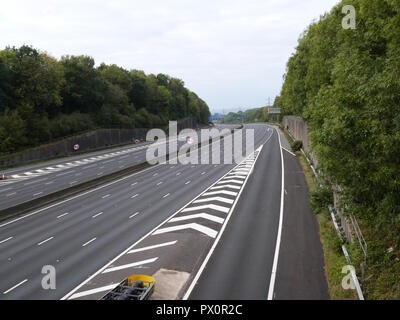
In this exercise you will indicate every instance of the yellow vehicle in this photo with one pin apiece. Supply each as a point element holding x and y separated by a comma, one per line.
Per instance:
<point>136,287</point>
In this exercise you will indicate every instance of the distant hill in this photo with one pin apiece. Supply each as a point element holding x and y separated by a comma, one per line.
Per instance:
<point>251,115</point>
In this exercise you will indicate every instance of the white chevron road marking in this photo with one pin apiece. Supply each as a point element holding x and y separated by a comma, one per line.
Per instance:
<point>93,291</point>
<point>130,265</point>
<point>165,244</point>
<point>226,186</point>
<point>230,181</point>
<point>198,227</point>
<point>221,199</point>
<point>237,177</point>
<point>208,206</point>
<point>242,171</point>
<point>229,193</point>
<point>197,216</point>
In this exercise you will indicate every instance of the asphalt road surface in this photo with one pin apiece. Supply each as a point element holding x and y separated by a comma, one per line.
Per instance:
<point>241,266</point>
<point>30,182</point>
<point>81,235</point>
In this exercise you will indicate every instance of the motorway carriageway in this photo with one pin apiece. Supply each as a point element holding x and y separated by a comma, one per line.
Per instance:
<point>31,182</point>
<point>81,235</point>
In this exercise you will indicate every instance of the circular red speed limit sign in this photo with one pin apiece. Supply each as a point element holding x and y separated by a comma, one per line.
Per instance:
<point>76,147</point>
<point>189,140</point>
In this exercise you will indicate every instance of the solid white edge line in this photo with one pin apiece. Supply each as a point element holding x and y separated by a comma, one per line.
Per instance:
<point>279,235</point>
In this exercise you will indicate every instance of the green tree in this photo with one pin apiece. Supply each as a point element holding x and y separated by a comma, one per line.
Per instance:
<point>84,88</point>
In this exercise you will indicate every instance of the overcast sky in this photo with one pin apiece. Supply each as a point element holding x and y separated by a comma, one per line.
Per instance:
<point>233,54</point>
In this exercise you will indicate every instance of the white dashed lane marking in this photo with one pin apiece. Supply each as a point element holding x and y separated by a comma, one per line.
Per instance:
<point>97,214</point>
<point>16,286</point>
<point>90,241</point>
<point>44,241</point>
<point>133,215</point>
<point>62,215</point>
<point>5,240</point>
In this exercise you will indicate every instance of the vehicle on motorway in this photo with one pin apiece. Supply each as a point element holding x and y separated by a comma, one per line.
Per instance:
<point>136,287</point>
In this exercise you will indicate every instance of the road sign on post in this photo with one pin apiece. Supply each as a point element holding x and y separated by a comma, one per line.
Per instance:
<point>76,147</point>
<point>274,110</point>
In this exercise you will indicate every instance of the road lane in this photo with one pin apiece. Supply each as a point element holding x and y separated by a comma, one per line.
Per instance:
<point>248,243</point>
<point>114,230</point>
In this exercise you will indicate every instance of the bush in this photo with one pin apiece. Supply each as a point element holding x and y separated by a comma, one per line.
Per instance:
<point>321,199</point>
<point>297,145</point>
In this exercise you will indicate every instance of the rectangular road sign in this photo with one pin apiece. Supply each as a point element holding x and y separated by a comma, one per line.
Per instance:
<point>274,110</point>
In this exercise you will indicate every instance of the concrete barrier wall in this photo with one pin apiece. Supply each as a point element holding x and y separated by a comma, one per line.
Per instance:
<point>299,130</point>
<point>90,141</point>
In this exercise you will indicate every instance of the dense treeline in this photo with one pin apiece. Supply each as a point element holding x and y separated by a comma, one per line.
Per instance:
<point>346,85</point>
<point>42,98</point>
<point>251,115</point>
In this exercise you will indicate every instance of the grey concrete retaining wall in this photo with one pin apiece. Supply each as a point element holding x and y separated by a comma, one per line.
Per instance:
<point>299,130</point>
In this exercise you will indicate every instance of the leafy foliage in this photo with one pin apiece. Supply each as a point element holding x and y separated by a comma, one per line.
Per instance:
<point>346,85</point>
<point>43,99</point>
<point>296,145</point>
<point>321,198</point>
